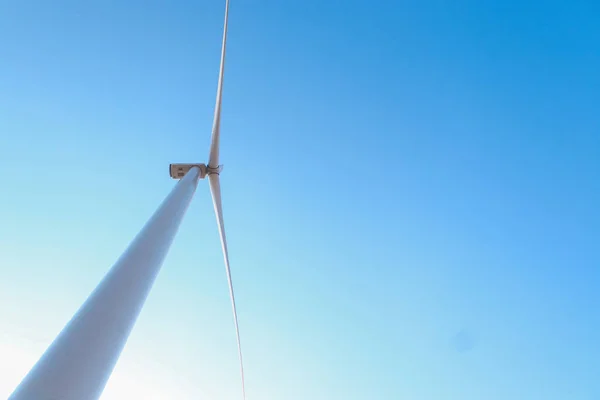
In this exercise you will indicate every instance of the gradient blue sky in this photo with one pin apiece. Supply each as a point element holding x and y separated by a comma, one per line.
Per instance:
<point>399,176</point>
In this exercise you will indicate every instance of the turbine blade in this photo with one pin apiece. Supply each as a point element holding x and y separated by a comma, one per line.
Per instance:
<point>213,158</point>
<point>215,190</point>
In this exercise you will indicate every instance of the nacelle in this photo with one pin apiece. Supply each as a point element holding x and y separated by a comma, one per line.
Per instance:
<point>178,170</point>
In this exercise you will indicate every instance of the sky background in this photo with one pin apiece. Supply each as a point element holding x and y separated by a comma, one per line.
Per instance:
<point>411,193</point>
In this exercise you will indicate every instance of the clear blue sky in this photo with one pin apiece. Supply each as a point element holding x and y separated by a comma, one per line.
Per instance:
<point>411,193</point>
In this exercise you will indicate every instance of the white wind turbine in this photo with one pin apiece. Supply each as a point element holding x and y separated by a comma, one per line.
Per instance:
<point>78,363</point>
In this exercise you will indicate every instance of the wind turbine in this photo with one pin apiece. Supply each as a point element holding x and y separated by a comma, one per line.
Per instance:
<point>79,362</point>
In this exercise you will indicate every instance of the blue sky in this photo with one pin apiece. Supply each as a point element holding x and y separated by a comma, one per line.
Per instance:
<point>400,178</point>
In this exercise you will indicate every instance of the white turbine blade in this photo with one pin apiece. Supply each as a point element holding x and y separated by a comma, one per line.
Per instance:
<point>213,158</point>
<point>215,190</point>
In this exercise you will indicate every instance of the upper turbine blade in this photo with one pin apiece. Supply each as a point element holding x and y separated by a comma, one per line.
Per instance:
<point>213,158</point>
<point>215,190</point>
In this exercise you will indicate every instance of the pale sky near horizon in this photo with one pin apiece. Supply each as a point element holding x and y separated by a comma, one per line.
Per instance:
<point>410,193</point>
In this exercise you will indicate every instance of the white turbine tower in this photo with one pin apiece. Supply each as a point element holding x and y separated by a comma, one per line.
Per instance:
<point>78,363</point>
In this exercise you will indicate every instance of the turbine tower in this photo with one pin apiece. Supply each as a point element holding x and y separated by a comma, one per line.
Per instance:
<point>79,362</point>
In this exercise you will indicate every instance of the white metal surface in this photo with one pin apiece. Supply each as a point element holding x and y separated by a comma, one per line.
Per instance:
<point>78,363</point>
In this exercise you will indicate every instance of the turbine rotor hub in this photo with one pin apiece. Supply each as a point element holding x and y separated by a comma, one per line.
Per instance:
<point>214,170</point>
